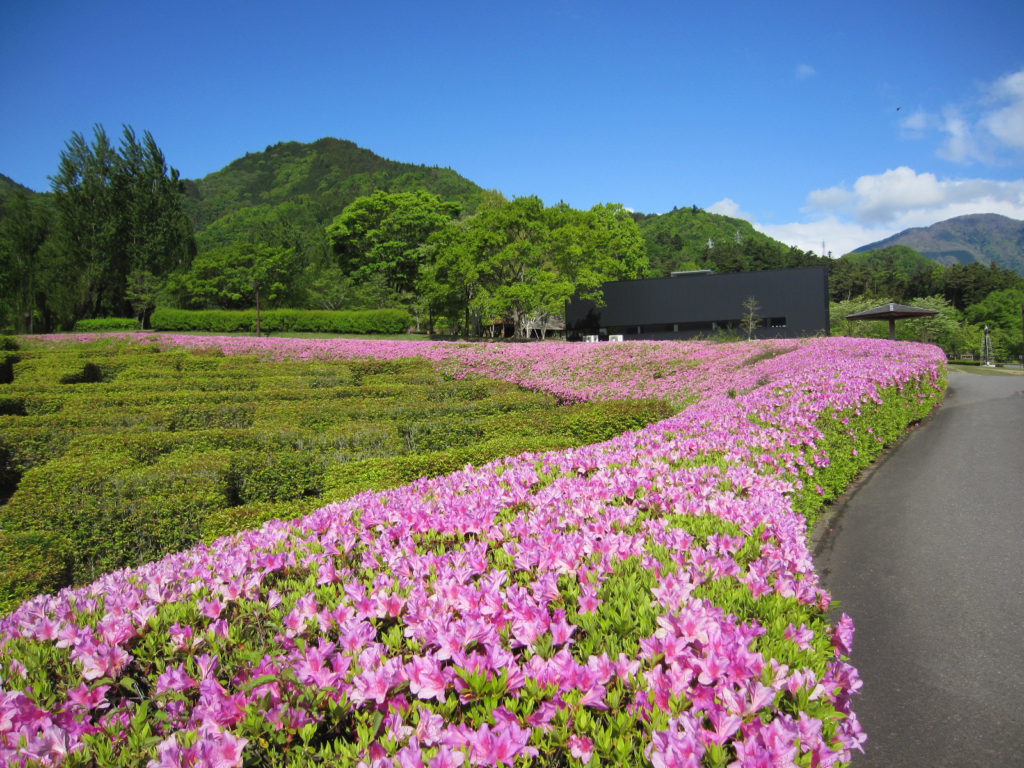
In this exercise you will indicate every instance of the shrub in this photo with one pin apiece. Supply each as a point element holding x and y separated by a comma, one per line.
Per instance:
<point>31,562</point>
<point>247,517</point>
<point>114,512</point>
<point>97,324</point>
<point>382,321</point>
<point>81,497</point>
<point>278,475</point>
<point>344,480</point>
<point>603,420</point>
<point>7,362</point>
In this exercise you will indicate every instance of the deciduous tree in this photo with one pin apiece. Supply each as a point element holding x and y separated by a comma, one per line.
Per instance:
<point>382,234</point>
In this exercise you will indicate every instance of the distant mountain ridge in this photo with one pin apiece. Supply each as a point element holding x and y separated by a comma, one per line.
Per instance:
<point>988,238</point>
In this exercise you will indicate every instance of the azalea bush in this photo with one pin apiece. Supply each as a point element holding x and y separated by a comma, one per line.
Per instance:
<point>645,600</point>
<point>115,454</point>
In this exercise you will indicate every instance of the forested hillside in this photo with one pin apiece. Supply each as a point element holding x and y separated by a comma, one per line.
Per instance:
<point>692,238</point>
<point>984,238</point>
<point>9,190</point>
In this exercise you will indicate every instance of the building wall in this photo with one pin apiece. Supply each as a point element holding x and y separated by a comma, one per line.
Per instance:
<point>793,302</point>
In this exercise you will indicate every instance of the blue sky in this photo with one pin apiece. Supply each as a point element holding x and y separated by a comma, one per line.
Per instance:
<point>817,121</point>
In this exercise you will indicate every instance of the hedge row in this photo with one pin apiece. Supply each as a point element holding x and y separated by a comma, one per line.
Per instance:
<point>97,324</point>
<point>112,457</point>
<point>384,321</point>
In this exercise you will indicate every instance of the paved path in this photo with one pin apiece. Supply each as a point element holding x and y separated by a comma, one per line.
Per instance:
<point>927,556</point>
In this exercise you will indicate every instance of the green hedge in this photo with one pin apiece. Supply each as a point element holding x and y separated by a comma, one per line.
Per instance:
<point>344,480</point>
<point>96,324</point>
<point>114,455</point>
<point>384,321</point>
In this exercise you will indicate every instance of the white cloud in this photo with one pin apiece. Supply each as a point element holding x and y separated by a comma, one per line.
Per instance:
<point>729,207</point>
<point>962,145</point>
<point>902,194</point>
<point>880,205</point>
<point>805,71</point>
<point>837,236</point>
<point>914,124</point>
<point>989,129</point>
<point>1006,123</point>
<point>830,198</point>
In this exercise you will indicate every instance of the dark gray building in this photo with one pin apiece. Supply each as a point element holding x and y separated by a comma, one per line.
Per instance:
<point>792,302</point>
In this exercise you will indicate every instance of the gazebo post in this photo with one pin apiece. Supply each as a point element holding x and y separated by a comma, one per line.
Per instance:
<point>892,329</point>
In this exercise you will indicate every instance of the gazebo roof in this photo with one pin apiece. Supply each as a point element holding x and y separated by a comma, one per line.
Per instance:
<point>892,311</point>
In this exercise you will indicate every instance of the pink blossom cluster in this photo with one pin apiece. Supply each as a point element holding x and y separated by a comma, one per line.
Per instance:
<point>427,604</point>
<point>574,372</point>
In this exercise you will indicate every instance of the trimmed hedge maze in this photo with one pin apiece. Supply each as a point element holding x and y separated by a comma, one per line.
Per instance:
<point>114,454</point>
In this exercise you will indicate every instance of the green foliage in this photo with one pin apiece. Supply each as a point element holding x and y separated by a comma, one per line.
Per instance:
<point>31,561</point>
<point>114,454</point>
<point>328,173</point>
<point>383,234</point>
<point>1002,311</point>
<point>946,329</point>
<point>903,274</point>
<point>229,277</point>
<point>519,261</point>
<point>854,438</point>
<point>24,229</point>
<point>691,238</point>
<point>627,612</point>
<point>119,209</point>
<point>383,321</point>
<point>94,324</point>
<point>602,420</point>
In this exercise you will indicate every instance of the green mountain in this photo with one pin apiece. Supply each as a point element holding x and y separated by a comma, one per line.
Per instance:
<point>986,238</point>
<point>8,189</point>
<point>304,185</point>
<point>688,237</point>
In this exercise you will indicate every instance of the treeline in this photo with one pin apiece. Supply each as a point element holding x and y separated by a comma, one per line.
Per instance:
<point>967,296</point>
<point>113,239</point>
<point>309,227</point>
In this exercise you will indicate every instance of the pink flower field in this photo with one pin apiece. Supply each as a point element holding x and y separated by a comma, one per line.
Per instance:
<point>647,600</point>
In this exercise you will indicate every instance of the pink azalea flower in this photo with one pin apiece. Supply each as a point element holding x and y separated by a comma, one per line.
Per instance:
<point>446,757</point>
<point>426,679</point>
<point>581,748</point>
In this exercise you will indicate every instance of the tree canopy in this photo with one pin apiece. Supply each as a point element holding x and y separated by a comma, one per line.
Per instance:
<point>382,234</point>
<point>119,210</point>
<point>521,261</point>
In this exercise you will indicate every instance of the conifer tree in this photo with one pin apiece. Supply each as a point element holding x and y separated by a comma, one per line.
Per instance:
<point>119,211</point>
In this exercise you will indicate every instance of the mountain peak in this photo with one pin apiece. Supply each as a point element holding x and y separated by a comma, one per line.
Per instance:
<point>986,238</point>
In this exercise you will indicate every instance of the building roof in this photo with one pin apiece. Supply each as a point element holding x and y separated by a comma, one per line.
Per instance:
<point>892,311</point>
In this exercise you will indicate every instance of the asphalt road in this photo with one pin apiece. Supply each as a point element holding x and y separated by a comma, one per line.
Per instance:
<point>927,556</point>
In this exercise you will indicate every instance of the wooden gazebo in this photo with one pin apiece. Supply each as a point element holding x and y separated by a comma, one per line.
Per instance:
<point>892,312</point>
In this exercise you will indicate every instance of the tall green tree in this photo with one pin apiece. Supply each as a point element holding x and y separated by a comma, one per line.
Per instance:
<point>946,329</point>
<point>23,232</point>
<point>519,262</point>
<point>119,210</point>
<point>382,234</point>
<point>228,278</point>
